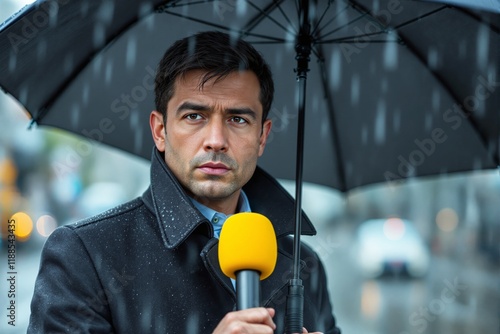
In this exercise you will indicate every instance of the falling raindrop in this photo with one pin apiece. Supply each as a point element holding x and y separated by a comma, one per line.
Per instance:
<point>432,58</point>
<point>355,89</point>
<point>290,38</point>
<point>75,115</point>
<point>85,94</point>
<point>436,100</point>
<point>99,36</point>
<point>108,72</point>
<point>341,15</point>
<point>391,56</point>
<point>106,12</point>
<point>41,50</point>
<point>324,130</point>
<point>380,123</point>
<point>150,22</point>
<point>482,46</point>
<point>97,66</point>
<point>193,325</point>
<point>23,94</point>
<point>134,119</point>
<point>145,9</point>
<point>241,7</point>
<point>53,9</point>
<point>131,53</point>
<point>335,70</point>
<point>84,9</point>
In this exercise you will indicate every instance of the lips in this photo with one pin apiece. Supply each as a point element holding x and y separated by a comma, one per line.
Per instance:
<point>213,168</point>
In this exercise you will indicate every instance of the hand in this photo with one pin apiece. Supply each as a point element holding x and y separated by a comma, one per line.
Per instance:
<point>252,320</point>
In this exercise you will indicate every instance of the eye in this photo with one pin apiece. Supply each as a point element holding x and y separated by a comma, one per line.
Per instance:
<point>193,117</point>
<point>238,120</point>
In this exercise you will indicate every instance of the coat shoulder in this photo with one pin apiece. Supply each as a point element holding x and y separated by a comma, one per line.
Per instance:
<point>118,214</point>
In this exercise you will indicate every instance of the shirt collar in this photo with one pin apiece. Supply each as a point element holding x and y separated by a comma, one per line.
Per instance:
<point>218,218</point>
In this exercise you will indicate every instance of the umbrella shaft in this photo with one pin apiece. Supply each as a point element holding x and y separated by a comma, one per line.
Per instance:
<point>298,175</point>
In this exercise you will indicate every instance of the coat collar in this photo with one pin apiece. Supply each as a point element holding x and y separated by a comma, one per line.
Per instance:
<point>178,218</point>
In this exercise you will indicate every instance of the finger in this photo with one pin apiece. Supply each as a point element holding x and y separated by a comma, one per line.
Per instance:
<point>257,315</point>
<point>262,315</point>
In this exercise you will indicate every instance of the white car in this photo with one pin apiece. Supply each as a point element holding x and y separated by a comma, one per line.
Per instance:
<point>391,246</point>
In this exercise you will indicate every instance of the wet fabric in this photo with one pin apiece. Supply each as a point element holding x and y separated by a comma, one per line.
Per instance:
<point>151,266</point>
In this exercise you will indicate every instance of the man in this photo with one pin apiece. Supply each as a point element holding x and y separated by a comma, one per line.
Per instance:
<point>151,265</point>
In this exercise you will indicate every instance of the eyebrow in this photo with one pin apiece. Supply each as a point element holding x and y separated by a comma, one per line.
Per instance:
<point>201,107</point>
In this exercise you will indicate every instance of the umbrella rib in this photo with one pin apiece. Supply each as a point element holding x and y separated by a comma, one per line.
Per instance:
<point>356,39</point>
<point>321,18</point>
<point>344,25</point>
<point>404,24</point>
<point>350,40</point>
<point>298,9</point>
<point>253,22</point>
<point>265,14</point>
<point>268,42</point>
<point>295,29</point>
<point>332,19</point>
<point>331,118</point>
<point>219,26</point>
<point>173,4</point>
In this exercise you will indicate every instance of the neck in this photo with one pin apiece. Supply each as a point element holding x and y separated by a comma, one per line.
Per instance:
<point>227,206</point>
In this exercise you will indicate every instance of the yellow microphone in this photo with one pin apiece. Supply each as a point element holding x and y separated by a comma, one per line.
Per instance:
<point>247,253</point>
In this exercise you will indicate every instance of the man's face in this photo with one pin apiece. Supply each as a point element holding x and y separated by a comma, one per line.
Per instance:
<point>213,136</point>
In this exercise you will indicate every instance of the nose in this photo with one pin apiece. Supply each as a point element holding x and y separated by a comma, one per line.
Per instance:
<point>216,136</point>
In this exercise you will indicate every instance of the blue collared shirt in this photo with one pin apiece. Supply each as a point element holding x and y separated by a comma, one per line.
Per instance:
<point>218,218</point>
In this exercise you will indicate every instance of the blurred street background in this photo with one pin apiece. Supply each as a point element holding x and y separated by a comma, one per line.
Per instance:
<point>49,178</point>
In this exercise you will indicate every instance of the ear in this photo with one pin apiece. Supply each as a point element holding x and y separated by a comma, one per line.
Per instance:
<point>266,129</point>
<point>157,129</point>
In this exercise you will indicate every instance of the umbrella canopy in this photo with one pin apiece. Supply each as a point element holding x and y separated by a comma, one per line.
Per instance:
<point>396,88</point>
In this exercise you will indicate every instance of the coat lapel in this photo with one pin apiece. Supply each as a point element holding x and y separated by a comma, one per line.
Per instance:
<point>210,256</point>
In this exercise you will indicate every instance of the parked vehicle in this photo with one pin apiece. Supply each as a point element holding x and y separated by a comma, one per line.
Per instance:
<point>391,246</point>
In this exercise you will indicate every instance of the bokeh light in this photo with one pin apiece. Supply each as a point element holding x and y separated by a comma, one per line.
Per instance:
<point>447,219</point>
<point>45,225</point>
<point>23,225</point>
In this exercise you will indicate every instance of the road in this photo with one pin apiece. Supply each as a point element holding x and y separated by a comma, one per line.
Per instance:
<point>457,296</point>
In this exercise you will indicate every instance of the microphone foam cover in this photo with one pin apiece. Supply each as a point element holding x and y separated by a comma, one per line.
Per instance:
<point>247,242</point>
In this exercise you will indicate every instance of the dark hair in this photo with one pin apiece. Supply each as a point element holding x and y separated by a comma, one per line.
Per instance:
<point>216,53</point>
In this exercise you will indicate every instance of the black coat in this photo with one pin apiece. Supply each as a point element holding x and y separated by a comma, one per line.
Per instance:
<point>151,266</point>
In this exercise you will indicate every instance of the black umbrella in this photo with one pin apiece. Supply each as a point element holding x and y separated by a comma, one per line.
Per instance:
<point>395,89</point>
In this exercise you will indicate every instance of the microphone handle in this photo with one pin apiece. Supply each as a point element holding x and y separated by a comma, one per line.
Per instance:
<point>247,289</point>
